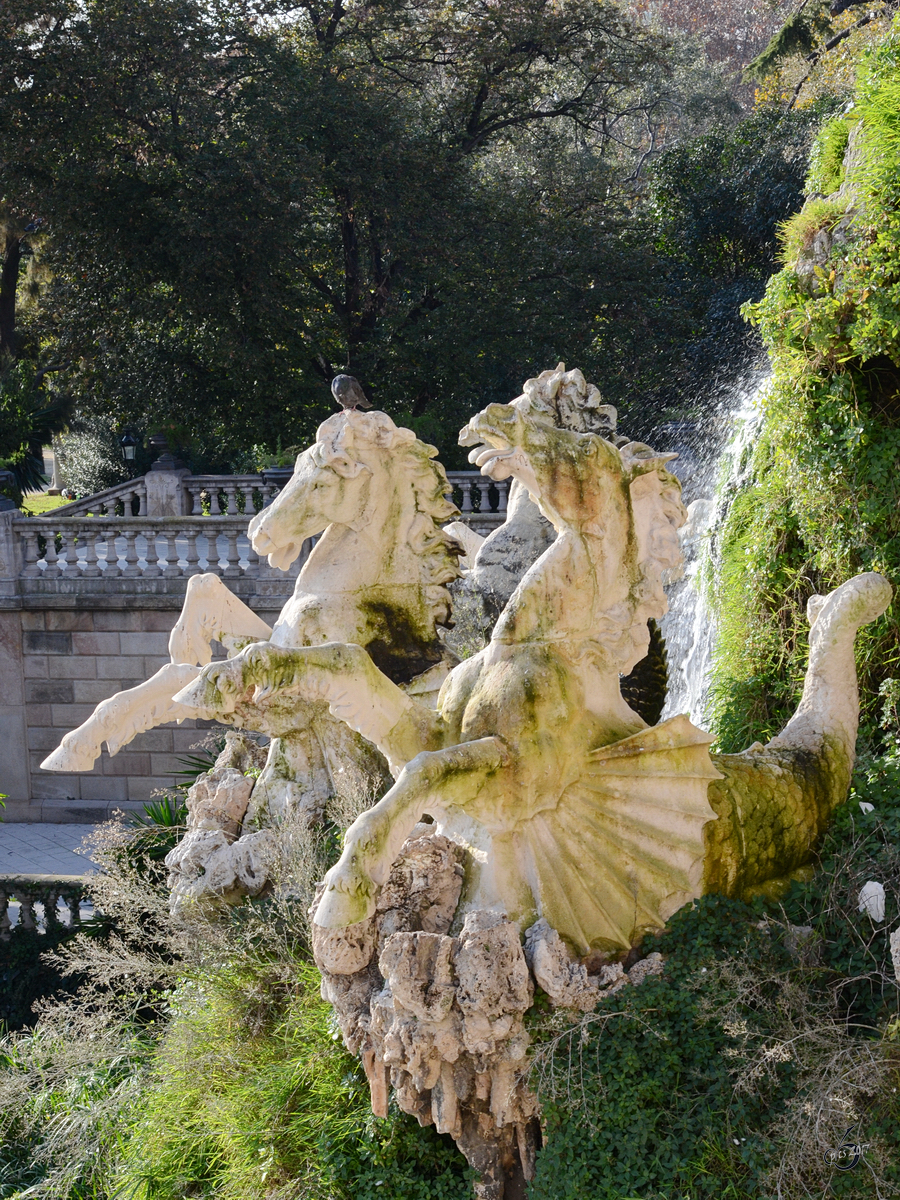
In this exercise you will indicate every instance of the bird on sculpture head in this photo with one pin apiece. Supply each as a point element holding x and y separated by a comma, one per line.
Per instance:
<point>348,393</point>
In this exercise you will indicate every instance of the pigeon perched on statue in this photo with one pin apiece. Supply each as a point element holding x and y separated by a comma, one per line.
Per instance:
<point>348,393</point>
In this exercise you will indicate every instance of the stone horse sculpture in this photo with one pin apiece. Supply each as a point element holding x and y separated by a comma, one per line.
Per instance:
<point>533,798</point>
<point>571,808</point>
<point>377,578</point>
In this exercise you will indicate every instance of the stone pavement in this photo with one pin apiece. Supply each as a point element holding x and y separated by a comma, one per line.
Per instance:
<point>29,849</point>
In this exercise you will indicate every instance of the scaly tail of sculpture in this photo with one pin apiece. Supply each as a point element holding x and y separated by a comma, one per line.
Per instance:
<point>775,800</point>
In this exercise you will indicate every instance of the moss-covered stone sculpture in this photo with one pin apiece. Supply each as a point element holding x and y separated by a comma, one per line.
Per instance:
<point>565,807</point>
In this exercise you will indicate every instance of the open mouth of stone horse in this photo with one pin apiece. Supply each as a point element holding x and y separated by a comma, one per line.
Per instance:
<point>492,451</point>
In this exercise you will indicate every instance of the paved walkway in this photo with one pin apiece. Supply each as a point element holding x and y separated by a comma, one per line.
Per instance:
<point>42,849</point>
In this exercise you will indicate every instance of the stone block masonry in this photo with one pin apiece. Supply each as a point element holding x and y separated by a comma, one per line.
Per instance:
<point>56,665</point>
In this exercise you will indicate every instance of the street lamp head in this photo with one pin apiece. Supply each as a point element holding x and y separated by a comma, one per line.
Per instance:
<point>129,444</point>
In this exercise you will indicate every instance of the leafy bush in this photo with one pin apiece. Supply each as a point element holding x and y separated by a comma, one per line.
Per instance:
<point>90,457</point>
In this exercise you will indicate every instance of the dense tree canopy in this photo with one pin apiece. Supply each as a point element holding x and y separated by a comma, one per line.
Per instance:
<point>213,207</point>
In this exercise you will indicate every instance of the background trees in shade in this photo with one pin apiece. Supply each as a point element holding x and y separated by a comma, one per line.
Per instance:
<point>229,203</point>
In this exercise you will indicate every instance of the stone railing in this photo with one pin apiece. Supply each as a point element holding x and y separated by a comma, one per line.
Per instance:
<point>82,554</point>
<point>33,902</point>
<point>115,501</point>
<point>478,497</point>
<point>96,550</point>
<point>227,495</point>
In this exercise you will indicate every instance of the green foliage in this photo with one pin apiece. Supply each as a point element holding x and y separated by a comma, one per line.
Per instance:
<point>654,1111</point>
<point>820,501</point>
<point>90,456</point>
<point>799,35</point>
<point>798,232</point>
<point>275,1104</point>
<point>826,161</point>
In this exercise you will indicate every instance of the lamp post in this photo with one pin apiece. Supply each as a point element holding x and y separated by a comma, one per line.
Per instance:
<point>129,444</point>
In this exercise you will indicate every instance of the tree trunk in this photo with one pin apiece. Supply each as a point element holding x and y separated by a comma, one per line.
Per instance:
<point>9,282</point>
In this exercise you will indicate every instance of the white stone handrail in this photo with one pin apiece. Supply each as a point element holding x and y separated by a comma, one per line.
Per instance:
<point>244,495</point>
<point>205,495</point>
<point>102,504</point>
<point>69,548</point>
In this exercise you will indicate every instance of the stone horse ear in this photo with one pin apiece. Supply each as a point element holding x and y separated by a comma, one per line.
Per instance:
<point>347,467</point>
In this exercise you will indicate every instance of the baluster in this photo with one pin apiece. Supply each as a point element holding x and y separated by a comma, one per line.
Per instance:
<point>215,506</point>
<point>169,558</point>
<point>131,569</point>
<point>256,566</point>
<point>31,569</point>
<point>74,902</point>
<point>191,557</point>
<point>232,555</point>
<point>142,500</point>
<point>112,550</point>
<point>26,911</point>
<point>231,508</point>
<point>51,571</point>
<point>265,493</point>
<point>484,502</point>
<point>466,485</point>
<point>502,494</point>
<point>51,916</point>
<point>69,558</point>
<point>90,568</point>
<point>153,568</point>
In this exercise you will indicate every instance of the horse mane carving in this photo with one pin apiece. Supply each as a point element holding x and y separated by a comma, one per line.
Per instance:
<point>347,439</point>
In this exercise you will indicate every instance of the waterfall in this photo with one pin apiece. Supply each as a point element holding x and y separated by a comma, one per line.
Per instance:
<point>713,464</point>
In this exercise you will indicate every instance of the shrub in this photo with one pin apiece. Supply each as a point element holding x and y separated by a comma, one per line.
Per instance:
<point>90,457</point>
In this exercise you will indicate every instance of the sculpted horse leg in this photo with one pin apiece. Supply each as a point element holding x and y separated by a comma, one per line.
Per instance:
<point>210,612</point>
<point>122,717</point>
<point>263,682</point>
<point>373,842</point>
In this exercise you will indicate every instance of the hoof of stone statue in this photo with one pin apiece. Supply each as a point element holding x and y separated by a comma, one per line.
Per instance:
<point>214,693</point>
<point>76,752</point>
<point>348,899</point>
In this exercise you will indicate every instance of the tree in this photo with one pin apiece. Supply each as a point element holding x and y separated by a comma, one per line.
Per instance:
<point>432,197</point>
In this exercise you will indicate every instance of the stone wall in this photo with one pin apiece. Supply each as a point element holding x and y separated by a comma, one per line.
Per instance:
<point>56,664</point>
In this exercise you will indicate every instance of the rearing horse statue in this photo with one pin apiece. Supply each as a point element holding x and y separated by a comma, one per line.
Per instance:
<point>569,806</point>
<point>377,578</point>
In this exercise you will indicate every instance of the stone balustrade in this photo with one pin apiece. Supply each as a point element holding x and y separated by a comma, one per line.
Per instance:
<point>124,500</point>
<point>36,901</point>
<point>227,495</point>
<point>64,550</point>
<point>478,497</point>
